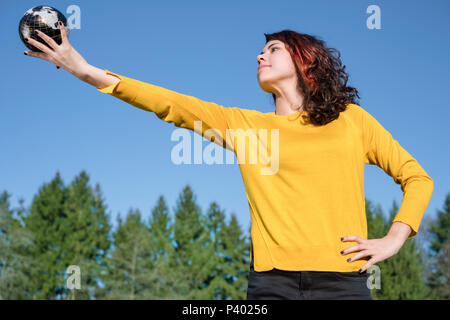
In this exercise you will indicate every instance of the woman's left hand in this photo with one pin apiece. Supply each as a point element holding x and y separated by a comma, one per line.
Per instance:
<point>377,249</point>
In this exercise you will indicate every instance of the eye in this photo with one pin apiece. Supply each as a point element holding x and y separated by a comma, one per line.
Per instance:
<point>274,48</point>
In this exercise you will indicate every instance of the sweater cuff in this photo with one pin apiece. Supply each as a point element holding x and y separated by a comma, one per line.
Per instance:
<point>109,89</point>
<point>126,89</point>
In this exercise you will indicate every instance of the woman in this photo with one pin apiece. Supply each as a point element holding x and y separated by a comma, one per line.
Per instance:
<point>308,223</point>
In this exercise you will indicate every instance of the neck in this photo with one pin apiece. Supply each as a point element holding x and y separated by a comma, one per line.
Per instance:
<point>288,103</point>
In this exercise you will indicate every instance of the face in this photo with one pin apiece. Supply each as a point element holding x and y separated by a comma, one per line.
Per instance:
<point>281,68</point>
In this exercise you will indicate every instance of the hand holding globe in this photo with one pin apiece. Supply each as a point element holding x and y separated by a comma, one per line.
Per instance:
<point>43,31</point>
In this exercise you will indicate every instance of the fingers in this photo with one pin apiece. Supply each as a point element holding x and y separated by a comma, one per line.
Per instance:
<point>353,238</point>
<point>62,28</point>
<point>357,247</point>
<point>47,39</point>
<point>39,45</point>
<point>369,264</point>
<point>362,254</point>
<point>40,55</point>
<point>35,54</point>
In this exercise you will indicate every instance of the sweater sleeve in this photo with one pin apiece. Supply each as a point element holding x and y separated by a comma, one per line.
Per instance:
<point>383,150</point>
<point>177,108</point>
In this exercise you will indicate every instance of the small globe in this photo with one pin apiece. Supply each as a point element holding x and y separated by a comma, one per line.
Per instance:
<point>45,19</point>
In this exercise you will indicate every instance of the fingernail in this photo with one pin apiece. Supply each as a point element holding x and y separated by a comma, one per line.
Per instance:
<point>348,260</point>
<point>342,238</point>
<point>57,67</point>
<point>60,23</point>
<point>26,39</point>
<point>25,53</point>
<point>359,270</point>
<point>342,252</point>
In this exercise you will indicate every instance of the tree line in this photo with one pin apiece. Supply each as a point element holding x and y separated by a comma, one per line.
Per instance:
<point>186,254</point>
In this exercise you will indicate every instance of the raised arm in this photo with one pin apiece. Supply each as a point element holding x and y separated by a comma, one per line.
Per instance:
<point>66,57</point>
<point>170,106</point>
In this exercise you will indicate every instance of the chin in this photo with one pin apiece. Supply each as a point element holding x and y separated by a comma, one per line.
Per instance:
<point>265,86</point>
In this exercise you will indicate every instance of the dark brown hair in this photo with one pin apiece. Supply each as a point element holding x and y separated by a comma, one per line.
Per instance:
<point>322,79</point>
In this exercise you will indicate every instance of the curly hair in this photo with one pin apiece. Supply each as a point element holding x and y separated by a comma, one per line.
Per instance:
<point>322,79</point>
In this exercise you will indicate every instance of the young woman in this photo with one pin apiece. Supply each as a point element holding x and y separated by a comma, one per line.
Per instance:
<point>308,223</point>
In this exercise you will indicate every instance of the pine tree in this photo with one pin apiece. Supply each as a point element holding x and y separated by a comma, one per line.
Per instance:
<point>215,283</point>
<point>130,267</point>
<point>192,246</point>
<point>442,263</point>
<point>376,229</point>
<point>85,240</point>
<point>376,224</point>
<point>169,281</point>
<point>438,271</point>
<point>401,274</point>
<point>46,222</point>
<point>14,263</point>
<point>235,249</point>
<point>70,227</point>
<point>441,228</point>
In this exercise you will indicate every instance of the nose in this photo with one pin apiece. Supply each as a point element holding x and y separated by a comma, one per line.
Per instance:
<point>259,59</point>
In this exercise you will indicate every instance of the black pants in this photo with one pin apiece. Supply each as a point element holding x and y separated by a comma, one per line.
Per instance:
<point>307,285</point>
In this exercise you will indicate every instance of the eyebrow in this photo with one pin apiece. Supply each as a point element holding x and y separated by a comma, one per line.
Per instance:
<point>270,46</point>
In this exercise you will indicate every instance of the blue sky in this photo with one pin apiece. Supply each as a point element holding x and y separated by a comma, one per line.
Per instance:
<point>51,121</point>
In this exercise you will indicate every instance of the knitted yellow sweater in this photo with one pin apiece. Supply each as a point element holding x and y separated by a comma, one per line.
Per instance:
<point>304,183</point>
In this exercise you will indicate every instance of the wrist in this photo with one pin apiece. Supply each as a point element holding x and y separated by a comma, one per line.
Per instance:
<point>399,232</point>
<point>81,71</point>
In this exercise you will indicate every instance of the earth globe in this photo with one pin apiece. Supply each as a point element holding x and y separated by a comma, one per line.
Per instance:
<point>45,19</point>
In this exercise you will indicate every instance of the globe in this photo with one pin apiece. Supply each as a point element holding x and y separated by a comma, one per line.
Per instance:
<point>45,19</point>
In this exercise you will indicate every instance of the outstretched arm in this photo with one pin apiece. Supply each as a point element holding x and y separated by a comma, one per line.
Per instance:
<point>65,56</point>
<point>170,106</point>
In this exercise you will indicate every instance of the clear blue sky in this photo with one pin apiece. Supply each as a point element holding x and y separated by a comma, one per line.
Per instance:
<point>50,120</point>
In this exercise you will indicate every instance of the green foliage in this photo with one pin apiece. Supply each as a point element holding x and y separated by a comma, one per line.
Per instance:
<point>70,227</point>
<point>402,274</point>
<point>229,265</point>
<point>189,255</point>
<point>438,272</point>
<point>14,263</point>
<point>130,265</point>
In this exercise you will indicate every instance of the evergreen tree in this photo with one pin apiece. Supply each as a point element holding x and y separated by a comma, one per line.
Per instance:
<point>70,227</point>
<point>376,224</point>
<point>441,228</point>
<point>130,267</point>
<point>85,240</point>
<point>169,281</point>
<point>235,250</point>
<point>14,263</point>
<point>46,222</point>
<point>192,247</point>
<point>442,263</point>
<point>401,274</point>
<point>438,271</point>
<point>215,283</point>
<point>376,229</point>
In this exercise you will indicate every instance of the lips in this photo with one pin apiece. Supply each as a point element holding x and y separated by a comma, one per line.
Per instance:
<point>263,65</point>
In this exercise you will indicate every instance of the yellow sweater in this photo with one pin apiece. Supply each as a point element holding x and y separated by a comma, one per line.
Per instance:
<point>304,183</point>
